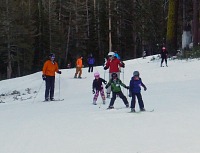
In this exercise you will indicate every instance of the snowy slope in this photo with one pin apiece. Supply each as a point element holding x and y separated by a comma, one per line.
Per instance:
<point>28,125</point>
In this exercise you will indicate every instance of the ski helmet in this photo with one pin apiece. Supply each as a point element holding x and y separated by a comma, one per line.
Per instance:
<point>96,74</point>
<point>111,54</point>
<point>52,55</point>
<point>114,75</point>
<point>136,73</point>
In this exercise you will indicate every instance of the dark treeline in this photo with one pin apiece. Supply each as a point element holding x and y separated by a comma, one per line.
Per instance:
<point>31,29</point>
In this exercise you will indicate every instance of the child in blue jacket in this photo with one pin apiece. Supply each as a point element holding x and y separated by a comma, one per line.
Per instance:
<point>135,91</point>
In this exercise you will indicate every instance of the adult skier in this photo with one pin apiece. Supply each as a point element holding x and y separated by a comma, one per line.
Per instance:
<point>163,55</point>
<point>49,69</point>
<point>79,65</point>
<point>113,64</point>
<point>90,61</point>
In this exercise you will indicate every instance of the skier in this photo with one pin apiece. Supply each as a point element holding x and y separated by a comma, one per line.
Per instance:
<point>135,91</point>
<point>115,84</point>
<point>117,55</point>
<point>98,86</point>
<point>91,61</point>
<point>79,65</point>
<point>144,54</point>
<point>49,69</point>
<point>163,55</point>
<point>113,64</point>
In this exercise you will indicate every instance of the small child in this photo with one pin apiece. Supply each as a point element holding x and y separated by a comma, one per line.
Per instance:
<point>97,84</point>
<point>115,84</point>
<point>135,91</point>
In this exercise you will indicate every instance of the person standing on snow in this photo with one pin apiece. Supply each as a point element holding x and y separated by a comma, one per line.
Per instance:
<point>90,61</point>
<point>49,69</point>
<point>98,86</point>
<point>115,84</point>
<point>163,56</point>
<point>114,65</point>
<point>79,65</point>
<point>135,91</point>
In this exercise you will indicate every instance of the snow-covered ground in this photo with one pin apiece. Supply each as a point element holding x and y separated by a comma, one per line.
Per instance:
<point>28,125</point>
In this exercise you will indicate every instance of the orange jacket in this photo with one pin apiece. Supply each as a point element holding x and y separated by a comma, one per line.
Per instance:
<point>50,68</point>
<point>79,62</point>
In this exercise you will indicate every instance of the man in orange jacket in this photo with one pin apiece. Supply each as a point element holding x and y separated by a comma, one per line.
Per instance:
<point>49,69</point>
<point>79,65</point>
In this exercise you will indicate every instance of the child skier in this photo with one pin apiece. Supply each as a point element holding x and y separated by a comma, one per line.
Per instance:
<point>135,91</point>
<point>98,86</point>
<point>115,84</point>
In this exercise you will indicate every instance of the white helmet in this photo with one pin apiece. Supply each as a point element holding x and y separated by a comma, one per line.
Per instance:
<point>111,54</point>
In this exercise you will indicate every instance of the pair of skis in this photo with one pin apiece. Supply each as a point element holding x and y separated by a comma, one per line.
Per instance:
<point>152,110</point>
<point>53,100</point>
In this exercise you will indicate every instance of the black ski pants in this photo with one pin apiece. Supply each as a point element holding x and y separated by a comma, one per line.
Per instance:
<point>121,95</point>
<point>90,69</point>
<point>140,101</point>
<point>50,83</point>
<point>162,60</point>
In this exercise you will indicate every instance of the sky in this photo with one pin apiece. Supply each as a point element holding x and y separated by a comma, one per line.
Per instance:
<point>75,125</point>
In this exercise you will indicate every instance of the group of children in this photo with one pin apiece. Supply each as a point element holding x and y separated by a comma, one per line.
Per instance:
<point>115,83</point>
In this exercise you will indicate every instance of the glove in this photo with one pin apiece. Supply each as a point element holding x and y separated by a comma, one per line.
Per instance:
<point>105,68</point>
<point>43,77</point>
<point>127,87</point>
<point>106,86</point>
<point>93,91</point>
<point>145,88</point>
<point>130,94</point>
<point>59,72</point>
<point>123,65</point>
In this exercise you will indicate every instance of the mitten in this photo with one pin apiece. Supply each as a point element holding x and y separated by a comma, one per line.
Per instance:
<point>43,77</point>
<point>93,91</point>
<point>145,88</point>
<point>106,86</point>
<point>59,72</point>
<point>105,68</point>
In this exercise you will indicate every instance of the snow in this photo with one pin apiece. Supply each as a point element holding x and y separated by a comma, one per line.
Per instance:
<point>28,125</point>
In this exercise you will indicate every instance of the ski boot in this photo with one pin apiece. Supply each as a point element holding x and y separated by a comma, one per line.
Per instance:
<point>110,107</point>
<point>133,110</point>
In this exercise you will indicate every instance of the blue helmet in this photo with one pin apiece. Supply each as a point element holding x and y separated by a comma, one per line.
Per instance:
<point>136,73</point>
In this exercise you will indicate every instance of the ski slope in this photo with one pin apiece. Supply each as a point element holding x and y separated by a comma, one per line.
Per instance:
<point>28,125</point>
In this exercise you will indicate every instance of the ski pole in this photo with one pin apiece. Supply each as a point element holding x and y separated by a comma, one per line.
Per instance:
<point>38,91</point>
<point>59,86</point>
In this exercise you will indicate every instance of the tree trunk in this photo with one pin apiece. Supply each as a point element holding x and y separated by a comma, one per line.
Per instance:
<point>172,26</point>
<point>195,22</point>
<point>109,22</point>
<point>9,66</point>
<point>50,35</point>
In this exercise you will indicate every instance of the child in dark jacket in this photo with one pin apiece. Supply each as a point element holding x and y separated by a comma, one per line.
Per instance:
<point>98,86</point>
<point>135,91</point>
<point>115,84</point>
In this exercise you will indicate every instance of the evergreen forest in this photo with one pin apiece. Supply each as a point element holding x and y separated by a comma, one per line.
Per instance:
<point>32,29</point>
